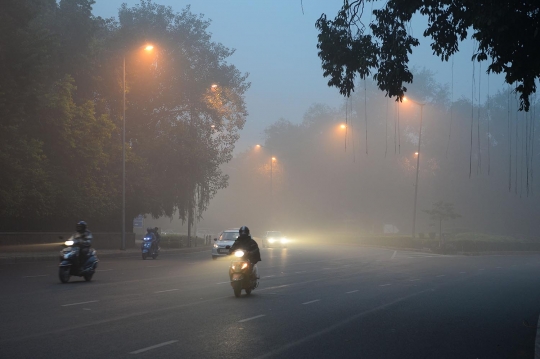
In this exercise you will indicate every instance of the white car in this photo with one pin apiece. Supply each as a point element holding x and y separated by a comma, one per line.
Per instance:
<point>223,243</point>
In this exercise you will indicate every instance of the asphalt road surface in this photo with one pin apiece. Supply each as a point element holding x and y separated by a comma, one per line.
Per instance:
<point>312,302</point>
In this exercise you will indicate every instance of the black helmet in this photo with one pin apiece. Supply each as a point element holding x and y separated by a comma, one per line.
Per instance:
<point>81,226</point>
<point>149,229</point>
<point>244,230</point>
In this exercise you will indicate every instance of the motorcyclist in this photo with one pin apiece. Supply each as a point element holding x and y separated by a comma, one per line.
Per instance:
<point>248,244</point>
<point>150,233</point>
<point>85,237</point>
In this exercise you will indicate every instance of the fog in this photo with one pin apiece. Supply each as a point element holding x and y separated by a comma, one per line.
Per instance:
<point>477,151</point>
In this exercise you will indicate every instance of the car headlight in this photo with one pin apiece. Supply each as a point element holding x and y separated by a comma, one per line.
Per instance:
<point>68,243</point>
<point>215,245</point>
<point>283,240</point>
<point>271,240</point>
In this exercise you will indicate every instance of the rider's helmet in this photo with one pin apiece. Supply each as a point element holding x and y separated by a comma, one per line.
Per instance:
<point>81,226</point>
<point>244,230</point>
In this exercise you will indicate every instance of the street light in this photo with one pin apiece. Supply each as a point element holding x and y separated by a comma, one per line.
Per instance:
<point>148,48</point>
<point>417,153</point>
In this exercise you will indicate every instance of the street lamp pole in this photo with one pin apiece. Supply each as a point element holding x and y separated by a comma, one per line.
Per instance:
<point>124,162</point>
<point>417,169</point>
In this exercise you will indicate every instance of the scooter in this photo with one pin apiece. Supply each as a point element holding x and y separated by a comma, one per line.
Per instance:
<point>69,258</point>
<point>149,247</point>
<point>243,274</point>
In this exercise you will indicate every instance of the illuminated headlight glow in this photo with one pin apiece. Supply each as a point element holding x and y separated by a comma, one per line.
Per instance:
<point>215,245</point>
<point>244,266</point>
<point>283,240</point>
<point>68,243</point>
<point>239,253</point>
<point>271,240</point>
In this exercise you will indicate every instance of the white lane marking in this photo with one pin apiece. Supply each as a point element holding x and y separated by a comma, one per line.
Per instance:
<point>224,282</point>
<point>393,255</point>
<point>279,286</point>
<point>103,270</point>
<point>312,301</point>
<point>384,285</point>
<point>248,319</point>
<point>153,347</point>
<point>35,276</point>
<point>352,291</point>
<point>69,305</point>
<point>441,275</point>
<point>269,276</point>
<point>278,351</point>
<point>413,280</point>
<point>168,290</point>
<point>302,271</point>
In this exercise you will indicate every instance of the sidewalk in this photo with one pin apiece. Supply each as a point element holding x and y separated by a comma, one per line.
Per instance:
<point>51,252</point>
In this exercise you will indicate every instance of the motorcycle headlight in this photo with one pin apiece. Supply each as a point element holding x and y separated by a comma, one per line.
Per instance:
<point>239,253</point>
<point>68,243</point>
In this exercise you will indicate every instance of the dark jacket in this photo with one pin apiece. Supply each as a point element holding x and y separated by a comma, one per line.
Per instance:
<point>248,244</point>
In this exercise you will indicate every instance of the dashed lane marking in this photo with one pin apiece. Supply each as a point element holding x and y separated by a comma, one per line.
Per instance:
<point>168,290</point>
<point>153,347</point>
<point>71,304</point>
<point>384,285</point>
<point>311,301</point>
<point>393,255</point>
<point>352,291</point>
<point>248,319</point>
<point>441,275</point>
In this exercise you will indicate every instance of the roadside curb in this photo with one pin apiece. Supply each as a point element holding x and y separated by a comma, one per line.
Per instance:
<point>48,257</point>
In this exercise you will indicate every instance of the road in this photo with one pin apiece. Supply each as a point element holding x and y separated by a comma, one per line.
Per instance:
<point>312,302</point>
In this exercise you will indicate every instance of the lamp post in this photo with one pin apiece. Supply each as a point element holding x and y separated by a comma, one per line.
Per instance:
<point>417,164</point>
<point>123,246</point>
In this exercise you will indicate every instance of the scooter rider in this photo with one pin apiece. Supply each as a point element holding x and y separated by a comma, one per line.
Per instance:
<point>248,244</point>
<point>150,233</point>
<point>85,236</point>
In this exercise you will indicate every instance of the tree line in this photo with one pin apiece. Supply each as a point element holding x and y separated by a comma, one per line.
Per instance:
<point>481,157</point>
<point>62,109</point>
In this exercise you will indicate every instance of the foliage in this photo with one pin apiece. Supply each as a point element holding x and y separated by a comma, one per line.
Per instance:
<point>61,111</point>
<point>507,35</point>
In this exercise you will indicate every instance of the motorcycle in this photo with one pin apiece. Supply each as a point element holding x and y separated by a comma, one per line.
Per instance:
<point>69,261</point>
<point>242,274</point>
<point>149,247</point>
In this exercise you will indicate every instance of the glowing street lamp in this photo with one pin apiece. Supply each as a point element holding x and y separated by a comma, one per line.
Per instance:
<point>147,48</point>
<point>343,126</point>
<point>417,154</point>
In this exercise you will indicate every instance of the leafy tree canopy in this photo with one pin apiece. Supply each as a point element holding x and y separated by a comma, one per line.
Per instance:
<point>507,33</point>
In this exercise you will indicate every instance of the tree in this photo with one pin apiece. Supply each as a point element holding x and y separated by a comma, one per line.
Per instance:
<point>442,211</point>
<point>507,33</point>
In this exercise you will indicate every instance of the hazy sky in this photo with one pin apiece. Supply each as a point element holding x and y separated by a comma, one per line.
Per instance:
<point>276,43</point>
